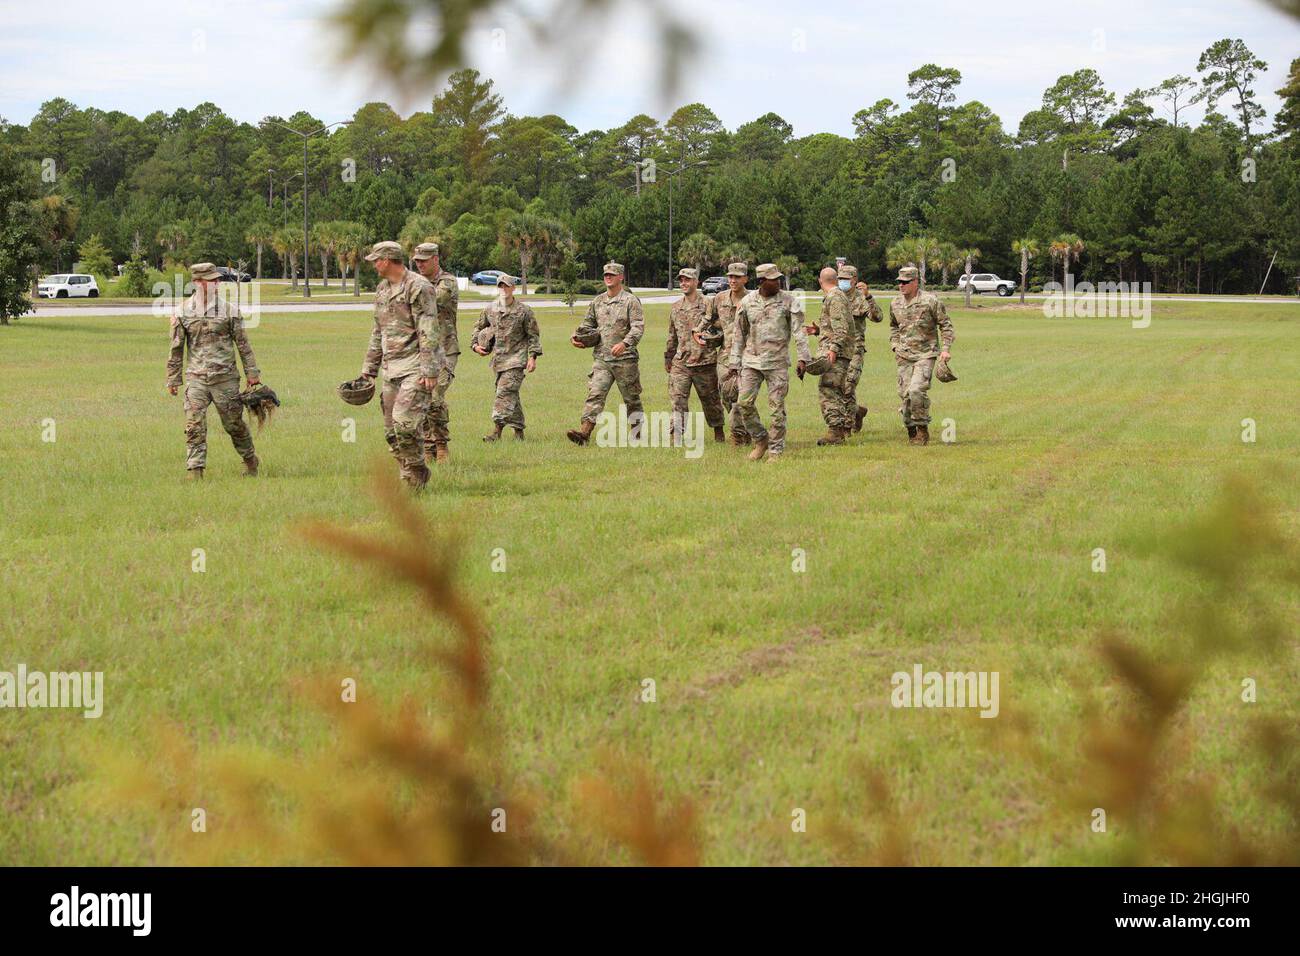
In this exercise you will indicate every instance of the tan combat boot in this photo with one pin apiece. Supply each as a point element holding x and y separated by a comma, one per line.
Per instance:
<point>496,432</point>
<point>580,435</point>
<point>739,441</point>
<point>194,474</point>
<point>440,452</point>
<point>833,436</point>
<point>858,417</point>
<point>923,434</point>
<point>760,449</point>
<point>251,466</point>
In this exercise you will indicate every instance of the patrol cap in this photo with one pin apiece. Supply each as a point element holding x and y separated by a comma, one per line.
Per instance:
<point>738,269</point>
<point>613,268</point>
<point>943,371</point>
<point>386,250</point>
<point>847,271</point>
<point>204,270</point>
<point>908,273</point>
<point>504,279</point>
<point>768,270</point>
<point>688,274</point>
<point>425,250</point>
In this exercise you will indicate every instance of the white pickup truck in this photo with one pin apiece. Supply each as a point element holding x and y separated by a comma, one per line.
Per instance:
<point>987,282</point>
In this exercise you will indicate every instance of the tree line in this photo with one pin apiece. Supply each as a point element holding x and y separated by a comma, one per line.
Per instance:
<point>1121,190</point>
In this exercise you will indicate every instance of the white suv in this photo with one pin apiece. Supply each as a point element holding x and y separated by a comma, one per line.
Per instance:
<point>68,287</point>
<point>987,282</point>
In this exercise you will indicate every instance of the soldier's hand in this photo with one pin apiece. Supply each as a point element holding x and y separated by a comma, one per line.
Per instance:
<point>429,383</point>
<point>800,368</point>
<point>944,356</point>
<point>618,349</point>
<point>699,339</point>
<point>576,344</point>
<point>254,382</point>
<point>531,366</point>
<point>811,329</point>
<point>171,389</point>
<point>832,356</point>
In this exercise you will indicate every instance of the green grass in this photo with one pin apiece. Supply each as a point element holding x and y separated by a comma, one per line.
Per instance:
<point>625,564</point>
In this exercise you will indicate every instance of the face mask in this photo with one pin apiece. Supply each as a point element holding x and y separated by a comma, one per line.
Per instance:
<point>844,285</point>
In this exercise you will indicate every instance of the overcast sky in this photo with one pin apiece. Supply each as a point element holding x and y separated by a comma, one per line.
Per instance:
<point>814,64</point>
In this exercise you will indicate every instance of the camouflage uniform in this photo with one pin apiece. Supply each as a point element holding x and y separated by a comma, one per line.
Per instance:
<point>447,302</point>
<point>865,308</point>
<point>690,363</point>
<point>916,329</point>
<point>211,332</point>
<point>837,334</point>
<point>517,339</point>
<point>405,345</point>
<point>721,320</point>
<point>617,319</point>
<point>761,350</point>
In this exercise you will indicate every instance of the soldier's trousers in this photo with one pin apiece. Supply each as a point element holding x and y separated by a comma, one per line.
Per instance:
<point>224,395</point>
<point>704,378</point>
<point>406,407</point>
<point>601,379</point>
<point>854,376</point>
<point>837,403</point>
<point>778,384</point>
<point>435,423</point>
<point>729,391</point>
<point>507,409</point>
<point>914,389</point>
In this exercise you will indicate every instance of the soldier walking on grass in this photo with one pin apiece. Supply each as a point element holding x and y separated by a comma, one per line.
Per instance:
<point>613,327</point>
<point>834,350</point>
<point>918,323</point>
<point>211,331</point>
<point>718,328</point>
<point>688,362</point>
<point>515,343</point>
<point>865,309</point>
<point>405,346</point>
<point>765,322</point>
<point>446,299</point>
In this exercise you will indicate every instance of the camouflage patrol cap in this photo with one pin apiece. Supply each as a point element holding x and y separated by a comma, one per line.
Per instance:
<point>425,250</point>
<point>768,270</point>
<point>688,274</point>
<point>847,271</point>
<point>505,279</point>
<point>943,372</point>
<point>908,273</point>
<point>738,269</point>
<point>613,268</point>
<point>385,250</point>
<point>486,338</point>
<point>204,270</point>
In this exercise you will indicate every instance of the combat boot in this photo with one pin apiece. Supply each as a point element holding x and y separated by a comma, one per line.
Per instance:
<point>719,435</point>
<point>580,435</point>
<point>440,452</point>
<point>739,441</point>
<point>833,436</point>
<point>858,416</point>
<point>519,434</point>
<point>250,466</point>
<point>911,434</point>
<point>194,474</point>
<point>760,449</point>
<point>773,456</point>
<point>496,432</point>
<point>923,434</point>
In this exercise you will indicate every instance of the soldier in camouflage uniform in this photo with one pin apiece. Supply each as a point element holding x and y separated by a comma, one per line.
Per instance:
<point>687,362</point>
<point>447,299</point>
<point>211,330</point>
<point>918,322</point>
<point>834,350</point>
<point>865,308</point>
<point>517,342</point>
<point>405,345</point>
<point>717,328</point>
<point>615,323</point>
<point>765,322</point>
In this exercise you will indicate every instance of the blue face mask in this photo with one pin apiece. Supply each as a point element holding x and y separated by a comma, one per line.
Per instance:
<point>845,285</point>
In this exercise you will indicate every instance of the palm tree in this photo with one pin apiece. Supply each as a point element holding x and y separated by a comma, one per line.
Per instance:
<point>173,237</point>
<point>521,232</point>
<point>735,252</point>
<point>1026,248</point>
<point>949,258</point>
<point>259,234</point>
<point>325,235</point>
<point>915,251</point>
<point>349,242</point>
<point>971,255</point>
<point>58,219</point>
<point>288,243</point>
<point>698,251</point>
<point>556,243</point>
<point>421,227</point>
<point>1065,247</point>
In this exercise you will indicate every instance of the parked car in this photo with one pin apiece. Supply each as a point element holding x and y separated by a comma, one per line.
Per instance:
<point>486,277</point>
<point>713,284</point>
<point>68,286</point>
<point>231,275</point>
<point>987,282</point>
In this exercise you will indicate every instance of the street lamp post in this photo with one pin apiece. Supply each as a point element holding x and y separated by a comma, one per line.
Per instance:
<point>672,173</point>
<point>306,251</point>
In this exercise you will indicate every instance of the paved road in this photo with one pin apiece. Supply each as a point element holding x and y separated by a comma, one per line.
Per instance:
<point>54,311</point>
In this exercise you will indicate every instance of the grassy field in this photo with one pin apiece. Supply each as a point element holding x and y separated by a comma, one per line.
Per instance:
<point>625,564</point>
